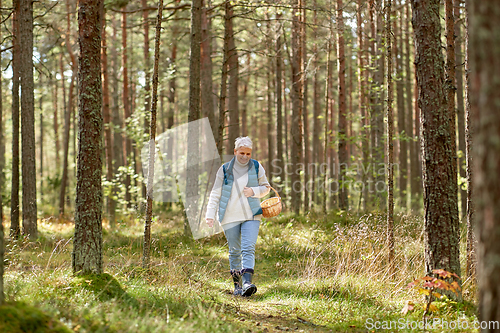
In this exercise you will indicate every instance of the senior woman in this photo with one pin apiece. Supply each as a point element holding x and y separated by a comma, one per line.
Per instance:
<point>235,197</point>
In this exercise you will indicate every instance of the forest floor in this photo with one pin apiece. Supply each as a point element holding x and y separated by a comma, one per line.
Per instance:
<point>313,275</point>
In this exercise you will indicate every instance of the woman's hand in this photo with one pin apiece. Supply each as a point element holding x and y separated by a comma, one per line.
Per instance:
<point>248,192</point>
<point>210,222</point>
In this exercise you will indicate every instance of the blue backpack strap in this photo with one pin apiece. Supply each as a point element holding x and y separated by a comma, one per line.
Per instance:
<point>256,164</point>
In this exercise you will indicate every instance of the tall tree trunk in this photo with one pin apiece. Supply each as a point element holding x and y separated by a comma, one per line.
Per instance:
<point>390,144</point>
<point>269,108</point>
<point>470,268</point>
<point>365,143</point>
<point>2,182</point>
<point>207,101</point>
<point>152,136</point>
<point>55,102</point>
<point>441,224</point>
<point>317,127</point>
<point>87,243</point>
<point>296,123</point>
<point>127,142</point>
<point>460,104</point>
<point>342,125</point>
<point>450,83</point>
<point>280,162</point>
<point>232,84</point>
<point>412,122</point>
<point>192,189</point>
<point>484,53</point>
<point>402,132</point>
<point>378,111</point>
<point>106,112</point>
<point>305,113</point>
<point>15,230</point>
<point>325,188</point>
<point>27,119</point>
<point>224,74</point>
<point>68,108</point>
<point>116,117</point>
<point>147,88</point>
<point>40,101</point>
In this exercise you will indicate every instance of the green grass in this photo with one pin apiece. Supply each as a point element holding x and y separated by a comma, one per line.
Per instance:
<point>312,276</point>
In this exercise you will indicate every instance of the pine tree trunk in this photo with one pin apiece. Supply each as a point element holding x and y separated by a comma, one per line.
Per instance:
<point>68,109</point>
<point>296,121</point>
<point>40,101</point>
<point>106,112</point>
<point>280,162</point>
<point>152,136</point>
<point>224,74</point>
<point>270,121</point>
<point>412,122</point>
<point>342,125</point>
<point>390,144</point>
<point>15,230</point>
<point>470,269</point>
<point>192,189</point>
<point>403,134</point>
<point>207,101</point>
<point>484,53</point>
<point>55,103</point>
<point>27,119</point>
<point>441,223</point>
<point>116,117</point>
<point>365,143</point>
<point>305,112</point>
<point>2,182</point>
<point>232,84</point>
<point>87,243</point>
<point>317,157</point>
<point>460,103</point>
<point>127,142</point>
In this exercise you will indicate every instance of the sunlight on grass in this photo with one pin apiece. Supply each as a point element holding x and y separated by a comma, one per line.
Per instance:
<point>311,276</point>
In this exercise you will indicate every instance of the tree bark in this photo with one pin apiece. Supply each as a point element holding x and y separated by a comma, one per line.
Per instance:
<point>280,162</point>
<point>305,113</point>
<point>152,137</point>
<point>68,108</point>
<point>390,143</point>
<point>365,143</point>
<point>106,112</point>
<point>15,230</point>
<point>27,119</point>
<point>342,125</point>
<point>413,122</point>
<point>484,53</point>
<point>192,189</point>
<point>441,225</point>
<point>317,126</point>
<point>127,142</point>
<point>460,104</point>
<point>402,132</point>
<point>232,84</point>
<point>207,101</point>
<point>116,117</point>
<point>470,268</point>
<point>2,182</point>
<point>224,74</point>
<point>87,243</point>
<point>296,123</point>
<point>55,103</point>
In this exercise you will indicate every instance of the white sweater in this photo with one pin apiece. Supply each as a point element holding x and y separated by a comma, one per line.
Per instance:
<point>238,208</point>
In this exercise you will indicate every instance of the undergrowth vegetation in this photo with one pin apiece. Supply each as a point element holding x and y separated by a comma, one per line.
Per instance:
<point>313,273</point>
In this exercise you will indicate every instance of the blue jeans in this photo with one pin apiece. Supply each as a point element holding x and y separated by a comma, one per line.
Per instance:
<point>241,240</point>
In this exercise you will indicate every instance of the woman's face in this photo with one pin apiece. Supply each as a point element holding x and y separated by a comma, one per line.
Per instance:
<point>243,154</point>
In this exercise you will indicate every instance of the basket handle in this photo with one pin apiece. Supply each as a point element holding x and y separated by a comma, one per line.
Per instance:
<point>277,194</point>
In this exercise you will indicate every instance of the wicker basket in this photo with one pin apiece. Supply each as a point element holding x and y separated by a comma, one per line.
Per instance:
<point>272,206</point>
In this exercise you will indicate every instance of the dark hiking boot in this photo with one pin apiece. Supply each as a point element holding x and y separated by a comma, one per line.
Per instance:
<point>248,288</point>
<point>237,283</point>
